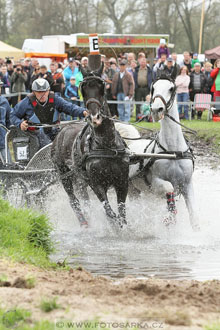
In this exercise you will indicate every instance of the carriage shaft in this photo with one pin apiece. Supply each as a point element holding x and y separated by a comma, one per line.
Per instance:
<point>150,155</point>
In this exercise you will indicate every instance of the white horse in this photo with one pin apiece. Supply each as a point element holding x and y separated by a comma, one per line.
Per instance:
<point>165,176</point>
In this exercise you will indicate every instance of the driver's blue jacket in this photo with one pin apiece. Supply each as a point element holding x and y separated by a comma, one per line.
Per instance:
<point>5,110</point>
<point>25,110</point>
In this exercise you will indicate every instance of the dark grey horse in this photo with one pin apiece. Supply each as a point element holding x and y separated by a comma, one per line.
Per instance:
<point>93,154</point>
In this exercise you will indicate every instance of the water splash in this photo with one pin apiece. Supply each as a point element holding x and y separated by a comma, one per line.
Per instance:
<point>145,247</point>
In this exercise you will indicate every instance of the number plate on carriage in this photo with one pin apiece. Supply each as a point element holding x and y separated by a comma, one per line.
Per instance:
<point>21,148</point>
<point>22,153</point>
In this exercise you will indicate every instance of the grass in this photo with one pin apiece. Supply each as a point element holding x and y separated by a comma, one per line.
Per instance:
<point>214,326</point>
<point>13,318</point>
<point>24,236</point>
<point>48,305</point>
<point>20,319</point>
<point>31,282</point>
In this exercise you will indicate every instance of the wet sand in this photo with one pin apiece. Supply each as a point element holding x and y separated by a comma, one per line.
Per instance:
<point>166,304</point>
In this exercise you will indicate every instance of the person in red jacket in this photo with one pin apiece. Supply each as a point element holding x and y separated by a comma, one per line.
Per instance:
<point>215,74</point>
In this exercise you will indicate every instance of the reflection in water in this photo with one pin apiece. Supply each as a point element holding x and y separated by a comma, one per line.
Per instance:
<point>146,247</point>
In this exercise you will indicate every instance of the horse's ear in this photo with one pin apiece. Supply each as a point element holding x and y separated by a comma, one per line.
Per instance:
<point>174,72</point>
<point>173,75</point>
<point>100,70</point>
<point>81,88</point>
<point>158,74</point>
<point>83,71</point>
<point>152,89</point>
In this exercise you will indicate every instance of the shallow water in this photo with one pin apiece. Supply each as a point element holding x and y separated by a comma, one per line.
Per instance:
<point>145,248</point>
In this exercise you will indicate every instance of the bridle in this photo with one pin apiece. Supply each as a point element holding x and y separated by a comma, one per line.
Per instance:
<point>168,105</point>
<point>92,100</point>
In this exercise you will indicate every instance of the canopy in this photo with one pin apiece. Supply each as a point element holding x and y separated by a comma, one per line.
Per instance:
<point>213,54</point>
<point>10,51</point>
<point>56,57</point>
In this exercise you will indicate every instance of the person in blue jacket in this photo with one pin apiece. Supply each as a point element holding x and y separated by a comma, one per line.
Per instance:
<point>43,107</point>
<point>71,91</point>
<point>5,110</point>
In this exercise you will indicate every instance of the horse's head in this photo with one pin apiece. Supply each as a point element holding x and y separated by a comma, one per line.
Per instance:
<point>93,91</point>
<point>163,92</point>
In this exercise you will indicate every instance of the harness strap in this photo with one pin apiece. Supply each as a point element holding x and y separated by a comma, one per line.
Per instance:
<point>93,100</point>
<point>102,153</point>
<point>177,122</point>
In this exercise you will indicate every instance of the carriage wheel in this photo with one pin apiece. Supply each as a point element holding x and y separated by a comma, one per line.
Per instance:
<point>15,193</point>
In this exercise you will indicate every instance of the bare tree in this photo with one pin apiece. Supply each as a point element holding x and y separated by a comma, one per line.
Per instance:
<point>186,10</point>
<point>119,11</point>
<point>21,19</point>
<point>3,20</point>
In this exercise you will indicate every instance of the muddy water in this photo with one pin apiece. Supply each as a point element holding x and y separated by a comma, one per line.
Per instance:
<point>145,248</point>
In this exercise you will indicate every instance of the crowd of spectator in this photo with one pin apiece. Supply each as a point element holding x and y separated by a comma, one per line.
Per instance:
<point>127,77</point>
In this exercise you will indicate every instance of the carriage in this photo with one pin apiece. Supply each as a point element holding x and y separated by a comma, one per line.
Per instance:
<point>26,168</point>
<point>28,171</point>
<point>94,155</point>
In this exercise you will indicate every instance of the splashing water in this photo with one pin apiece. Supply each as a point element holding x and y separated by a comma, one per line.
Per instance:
<point>145,247</point>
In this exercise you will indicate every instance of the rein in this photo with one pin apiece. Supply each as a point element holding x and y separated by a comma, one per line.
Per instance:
<point>190,130</point>
<point>36,125</point>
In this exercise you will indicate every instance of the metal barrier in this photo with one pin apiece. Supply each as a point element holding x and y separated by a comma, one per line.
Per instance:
<point>132,102</point>
<point>14,94</point>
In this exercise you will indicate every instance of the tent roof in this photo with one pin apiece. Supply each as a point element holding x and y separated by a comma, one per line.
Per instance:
<point>7,50</point>
<point>213,53</point>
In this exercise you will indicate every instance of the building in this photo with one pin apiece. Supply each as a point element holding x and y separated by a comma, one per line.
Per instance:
<point>109,44</point>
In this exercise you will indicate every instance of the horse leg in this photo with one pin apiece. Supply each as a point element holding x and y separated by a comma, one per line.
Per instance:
<point>74,202</point>
<point>171,206</point>
<point>121,191</point>
<point>84,196</point>
<point>188,194</point>
<point>82,189</point>
<point>101,193</point>
<point>163,187</point>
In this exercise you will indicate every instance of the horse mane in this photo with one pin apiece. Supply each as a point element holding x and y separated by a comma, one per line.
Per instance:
<point>161,74</point>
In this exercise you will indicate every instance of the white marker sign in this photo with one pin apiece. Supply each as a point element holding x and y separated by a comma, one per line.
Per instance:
<point>22,153</point>
<point>94,43</point>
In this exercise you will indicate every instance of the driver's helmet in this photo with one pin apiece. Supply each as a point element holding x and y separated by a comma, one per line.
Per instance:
<point>40,85</point>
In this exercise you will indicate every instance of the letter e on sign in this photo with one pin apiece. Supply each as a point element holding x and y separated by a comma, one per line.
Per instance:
<point>94,43</point>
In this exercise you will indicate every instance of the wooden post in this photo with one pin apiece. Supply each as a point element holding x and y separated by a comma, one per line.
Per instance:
<point>201,27</point>
<point>94,56</point>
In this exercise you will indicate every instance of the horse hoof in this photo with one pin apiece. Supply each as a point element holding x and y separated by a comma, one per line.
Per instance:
<point>169,220</point>
<point>121,222</point>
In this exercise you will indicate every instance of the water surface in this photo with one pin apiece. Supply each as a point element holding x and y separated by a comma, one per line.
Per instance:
<point>145,248</point>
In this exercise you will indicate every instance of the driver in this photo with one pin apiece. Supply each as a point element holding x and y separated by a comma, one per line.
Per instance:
<point>5,110</point>
<point>43,107</point>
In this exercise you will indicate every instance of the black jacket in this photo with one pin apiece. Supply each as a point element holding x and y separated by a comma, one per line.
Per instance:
<point>202,81</point>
